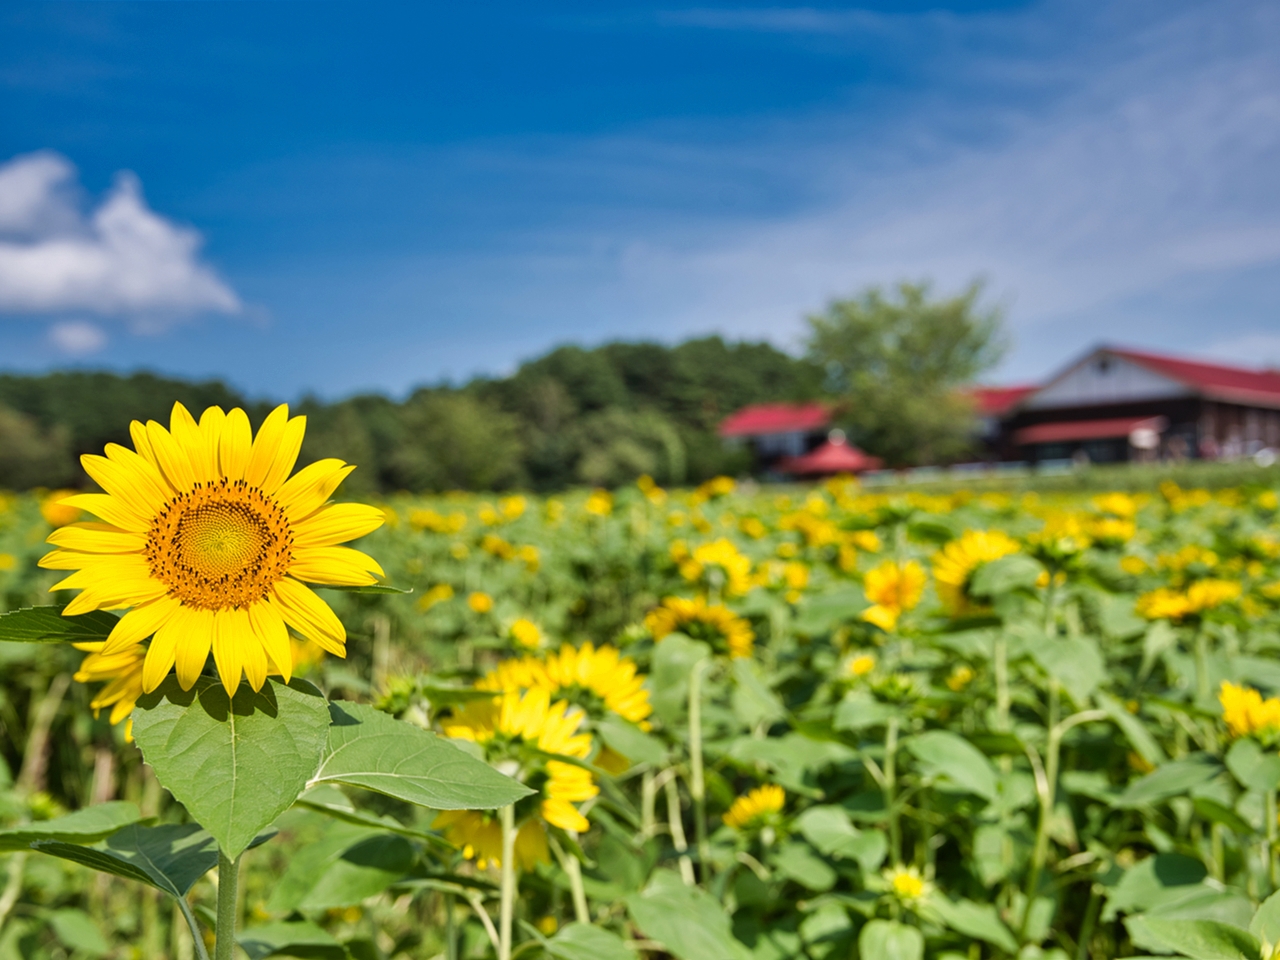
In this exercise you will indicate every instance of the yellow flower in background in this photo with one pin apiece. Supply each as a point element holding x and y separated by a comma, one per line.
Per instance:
<point>530,557</point>
<point>955,564</point>
<point>721,556</point>
<point>599,504</point>
<point>753,527</point>
<point>893,589</point>
<point>1268,500</point>
<point>713,489</point>
<point>866,540</point>
<point>56,511</point>
<point>1247,714</point>
<point>513,508</point>
<point>436,522</point>
<point>530,717</point>
<point>580,675</point>
<point>1120,505</point>
<point>1134,566</point>
<point>479,601</point>
<point>554,510</point>
<point>7,562</point>
<point>437,594</point>
<point>961,676</point>
<point>495,546</point>
<point>526,633</point>
<point>862,664</point>
<point>208,541</point>
<point>478,834</point>
<point>906,883</point>
<point>1188,556</point>
<point>756,808</point>
<point>718,625</point>
<point>1112,531</point>
<point>1167,603</point>
<point>122,672</point>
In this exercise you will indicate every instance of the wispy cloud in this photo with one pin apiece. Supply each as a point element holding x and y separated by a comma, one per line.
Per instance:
<point>122,259</point>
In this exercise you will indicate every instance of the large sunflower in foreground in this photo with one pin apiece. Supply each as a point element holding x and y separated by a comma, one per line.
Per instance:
<point>207,541</point>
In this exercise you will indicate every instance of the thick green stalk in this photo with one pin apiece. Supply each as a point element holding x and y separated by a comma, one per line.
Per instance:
<point>1270,860</point>
<point>450,933</point>
<point>228,890</point>
<point>890,789</point>
<point>1090,921</point>
<point>508,908</point>
<point>574,869</point>
<point>697,782</point>
<point>1046,787</point>
<point>675,822</point>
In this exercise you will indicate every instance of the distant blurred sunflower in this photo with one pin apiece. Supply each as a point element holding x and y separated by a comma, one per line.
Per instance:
<point>955,564</point>
<point>717,625</point>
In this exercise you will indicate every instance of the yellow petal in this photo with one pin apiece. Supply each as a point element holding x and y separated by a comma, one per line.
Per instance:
<point>265,443</point>
<point>108,508</point>
<point>309,615</point>
<point>151,474</point>
<point>211,422</point>
<point>115,595</point>
<point>172,458</point>
<point>140,623</point>
<point>97,538</point>
<point>340,566</point>
<point>142,443</point>
<point>117,481</point>
<point>270,630</point>
<point>307,490</point>
<point>237,442</point>
<point>227,649</point>
<point>286,454</point>
<point>160,654</point>
<point>193,646</point>
<point>337,524</point>
<point>186,432</point>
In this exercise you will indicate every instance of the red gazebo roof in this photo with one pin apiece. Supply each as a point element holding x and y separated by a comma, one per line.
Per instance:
<point>766,418</point>
<point>834,456</point>
<point>995,401</point>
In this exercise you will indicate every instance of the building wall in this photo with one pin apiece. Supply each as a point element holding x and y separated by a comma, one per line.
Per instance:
<point>1106,379</point>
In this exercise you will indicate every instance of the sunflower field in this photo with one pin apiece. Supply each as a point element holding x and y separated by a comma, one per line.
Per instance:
<point>823,723</point>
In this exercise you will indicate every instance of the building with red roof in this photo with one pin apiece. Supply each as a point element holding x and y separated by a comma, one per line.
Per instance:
<point>776,431</point>
<point>1117,404</point>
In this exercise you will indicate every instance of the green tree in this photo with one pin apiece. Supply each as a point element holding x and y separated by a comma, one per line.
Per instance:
<point>901,362</point>
<point>31,457</point>
<point>454,441</point>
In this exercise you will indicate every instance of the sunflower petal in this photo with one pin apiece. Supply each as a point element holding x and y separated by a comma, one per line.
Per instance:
<point>139,623</point>
<point>337,523</point>
<point>108,508</point>
<point>306,491</point>
<point>236,444</point>
<point>142,443</point>
<point>193,646</point>
<point>265,443</point>
<point>163,648</point>
<point>97,538</point>
<point>271,632</point>
<point>211,422</point>
<point>135,489</point>
<point>172,457</point>
<point>340,566</point>
<point>286,454</point>
<point>309,615</point>
<point>227,649</point>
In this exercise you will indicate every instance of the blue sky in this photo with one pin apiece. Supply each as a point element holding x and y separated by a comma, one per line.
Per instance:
<point>335,197</point>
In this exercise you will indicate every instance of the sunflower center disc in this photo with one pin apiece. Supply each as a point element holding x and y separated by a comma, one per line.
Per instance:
<point>221,545</point>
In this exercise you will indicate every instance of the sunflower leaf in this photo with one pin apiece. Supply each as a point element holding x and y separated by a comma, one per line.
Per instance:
<point>84,826</point>
<point>235,764</point>
<point>369,749</point>
<point>374,588</point>
<point>47,625</point>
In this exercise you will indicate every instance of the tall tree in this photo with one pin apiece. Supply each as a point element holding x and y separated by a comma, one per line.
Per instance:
<point>901,361</point>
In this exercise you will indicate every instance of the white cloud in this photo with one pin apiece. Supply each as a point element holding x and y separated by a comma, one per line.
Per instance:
<point>122,259</point>
<point>77,338</point>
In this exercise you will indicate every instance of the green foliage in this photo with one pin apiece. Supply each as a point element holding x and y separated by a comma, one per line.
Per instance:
<point>47,625</point>
<point>900,361</point>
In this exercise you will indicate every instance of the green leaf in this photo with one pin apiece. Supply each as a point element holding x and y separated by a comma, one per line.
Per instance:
<point>821,613</point>
<point>84,826</point>
<point>860,710</point>
<point>582,941</point>
<point>673,659</point>
<point>1205,939</point>
<point>1075,662</point>
<point>1265,924</point>
<point>364,869</point>
<point>47,625</point>
<point>1014,572</point>
<point>1255,768</point>
<point>369,749</point>
<point>170,857</point>
<point>630,741</point>
<point>234,764</point>
<point>1169,780</point>
<point>1153,881</point>
<point>973,920</point>
<point>799,863</point>
<point>77,931</point>
<point>329,800</point>
<point>1140,738</point>
<point>753,701</point>
<point>890,940</point>
<point>945,755</point>
<point>292,939</point>
<point>688,921</point>
<point>831,831</point>
<point>376,589</point>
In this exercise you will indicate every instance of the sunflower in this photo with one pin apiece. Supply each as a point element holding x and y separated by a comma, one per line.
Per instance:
<point>1247,714</point>
<point>478,834</point>
<point>207,542</point>
<point>597,680</point>
<point>721,563</point>
<point>955,564</point>
<point>1167,603</point>
<point>893,589</point>
<point>756,808</point>
<point>907,884</point>
<point>505,725</point>
<point>718,625</point>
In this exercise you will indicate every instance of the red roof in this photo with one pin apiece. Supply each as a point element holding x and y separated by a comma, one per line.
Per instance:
<point>1086,430</point>
<point>994,401</point>
<point>834,456</point>
<point>766,418</point>
<point>1233,384</point>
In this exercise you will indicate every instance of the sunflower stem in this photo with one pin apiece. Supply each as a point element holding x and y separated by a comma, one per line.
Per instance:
<point>507,911</point>
<point>450,933</point>
<point>574,869</point>
<point>1270,859</point>
<point>675,821</point>
<point>890,787</point>
<point>228,888</point>
<point>697,781</point>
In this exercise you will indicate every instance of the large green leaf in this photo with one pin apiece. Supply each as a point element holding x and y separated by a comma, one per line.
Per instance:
<point>170,857</point>
<point>1153,881</point>
<point>47,625</point>
<point>369,749</point>
<point>798,862</point>
<point>673,659</point>
<point>294,939</point>
<point>630,741</point>
<point>1265,924</point>
<point>952,758</point>
<point>1014,572</point>
<point>78,931</point>
<point>753,701</point>
<point>1169,780</point>
<point>330,801</point>
<point>1255,768</point>
<point>974,920</point>
<point>84,826</point>
<point>689,922</point>
<point>1075,662</point>
<point>1206,939</point>
<point>860,710</point>
<point>890,940</point>
<point>582,941</point>
<point>235,764</point>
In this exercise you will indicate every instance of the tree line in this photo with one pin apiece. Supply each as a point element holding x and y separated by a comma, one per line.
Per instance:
<point>892,365</point>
